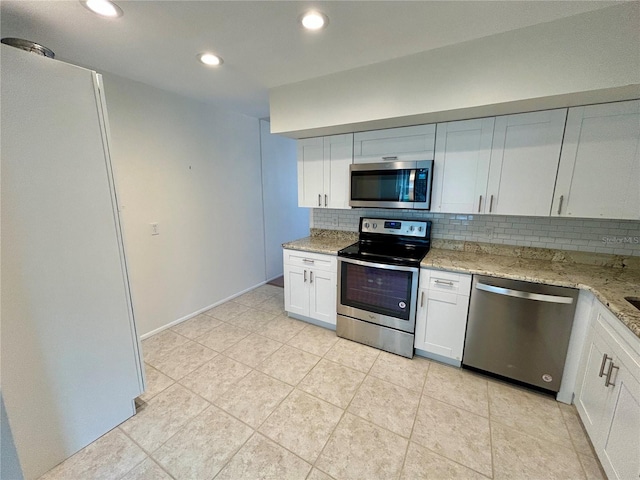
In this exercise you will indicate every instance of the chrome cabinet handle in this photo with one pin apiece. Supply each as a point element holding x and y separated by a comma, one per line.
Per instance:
<point>440,282</point>
<point>305,275</point>
<point>526,295</point>
<point>605,357</point>
<point>480,204</point>
<point>390,158</point>
<point>325,199</point>
<point>319,200</point>
<point>310,276</point>
<point>491,204</point>
<point>422,299</point>
<point>560,204</point>
<point>306,260</point>
<point>607,381</point>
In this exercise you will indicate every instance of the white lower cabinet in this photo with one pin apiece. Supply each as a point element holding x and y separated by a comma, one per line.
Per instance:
<point>608,394</point>
<point>310,286</point>
<point>441,319</point>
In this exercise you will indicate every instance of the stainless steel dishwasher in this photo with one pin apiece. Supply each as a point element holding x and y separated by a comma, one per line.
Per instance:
<point>519,330</point>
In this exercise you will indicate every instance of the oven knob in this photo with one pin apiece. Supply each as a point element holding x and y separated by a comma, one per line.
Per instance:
<point>366,225</point>
<point>375,225</point>
<point>419,229</point>
<point>411,228</point>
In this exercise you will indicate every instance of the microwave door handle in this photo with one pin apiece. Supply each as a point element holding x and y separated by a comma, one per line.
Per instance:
<point>412,185</point>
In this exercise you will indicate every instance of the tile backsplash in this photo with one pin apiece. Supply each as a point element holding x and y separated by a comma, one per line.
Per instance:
<point>620,237</point>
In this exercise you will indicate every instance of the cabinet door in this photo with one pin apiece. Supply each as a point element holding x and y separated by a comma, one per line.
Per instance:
<point>599,171</point>
<point>310,172</point>
<point>395,144</point>
<point>524,162</point>
<point>621,451</point>
<point>296,291</point>
<point>444,323</point>
<point>591,394</point>
<point>338,155</point>
<point>322,298</point>
<point>462,155</point>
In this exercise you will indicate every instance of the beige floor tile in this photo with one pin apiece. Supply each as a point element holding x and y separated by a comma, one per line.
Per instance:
<point>156,383</point>
<point>387,405</point>
<point>518,456</point>
<point>332,382</point>
<point>222,337</point>
<point>182,360</point>
<point>282,328</point>
<point>226,311</point>
<point>262,459</point>
<point>423,464</point>
<point>353,355</point>
<point>527,412</point>
<point>358,449</point>
<point>253,398</point>
<point>273,305</point>
<point>203,446</point>
<point>289,364</point>
<point>215,377</point>
<point>160,343</point>
<point>318,475</point>
<point>253,320</point>
<point>108,458</point>
<point>405,372</point>
<point>457,434</point>
<point>316,340</point>
<point>458,387</point>
<point>252,350</point>
<point>163,416</point>
<point>147,470</point>
<point>252,298</point>
<point>591,467</point>
<point>196,326</point>
<point>578,435</point>
<point>302,424</point>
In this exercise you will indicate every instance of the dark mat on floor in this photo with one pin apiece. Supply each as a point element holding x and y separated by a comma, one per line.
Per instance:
<point>278,282</point>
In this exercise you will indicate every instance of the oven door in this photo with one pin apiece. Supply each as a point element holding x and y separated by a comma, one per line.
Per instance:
<point>378,293</point>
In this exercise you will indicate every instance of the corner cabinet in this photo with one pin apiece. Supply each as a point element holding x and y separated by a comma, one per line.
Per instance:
<point>441,319</point>
<point>310,286</point>
<point>395,144</point>
<point>608,394</point>
<point>323,171</point>
<point>599,173</point>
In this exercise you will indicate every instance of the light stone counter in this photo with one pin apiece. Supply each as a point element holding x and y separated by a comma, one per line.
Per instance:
<point>609,277</point>
<point>323,241</point>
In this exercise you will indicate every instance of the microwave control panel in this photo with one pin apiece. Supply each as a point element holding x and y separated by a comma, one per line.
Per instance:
<point>385,226</point>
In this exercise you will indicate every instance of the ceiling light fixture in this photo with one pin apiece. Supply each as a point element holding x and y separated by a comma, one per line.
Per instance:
<point>314,20</point>
<point>104,8</point>
<point>210,59</point>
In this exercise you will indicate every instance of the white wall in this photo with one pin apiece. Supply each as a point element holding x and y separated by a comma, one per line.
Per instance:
<point>588,58</point>
<point>195,170</point>
<point>283,219</point>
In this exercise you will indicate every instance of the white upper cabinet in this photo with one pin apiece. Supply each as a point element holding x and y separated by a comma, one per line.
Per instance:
<point>524,162</point>
<point>461,167</point>
<point>395,144</point>
<point>599,173</point>
<point>323,171</point>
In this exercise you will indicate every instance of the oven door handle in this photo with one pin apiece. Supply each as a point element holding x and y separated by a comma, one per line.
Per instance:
<point>384,266</point>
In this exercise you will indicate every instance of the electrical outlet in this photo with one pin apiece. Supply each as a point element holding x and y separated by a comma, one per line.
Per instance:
<point>334,221</point>
<point>155,230</point>
<point>489,232</point>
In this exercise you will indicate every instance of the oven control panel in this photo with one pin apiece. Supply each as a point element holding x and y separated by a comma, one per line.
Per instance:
<point>387,226</point>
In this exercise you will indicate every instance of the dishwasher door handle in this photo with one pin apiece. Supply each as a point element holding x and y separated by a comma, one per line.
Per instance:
<point>526,295</point>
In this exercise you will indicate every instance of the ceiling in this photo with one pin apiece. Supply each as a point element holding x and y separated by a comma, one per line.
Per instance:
<point>156,42</point>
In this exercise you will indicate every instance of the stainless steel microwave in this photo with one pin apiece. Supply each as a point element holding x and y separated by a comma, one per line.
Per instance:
<point>391,184</point>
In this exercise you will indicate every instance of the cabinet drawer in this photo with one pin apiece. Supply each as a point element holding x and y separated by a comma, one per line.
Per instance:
<point>439,280</point>
<point>317,261</point>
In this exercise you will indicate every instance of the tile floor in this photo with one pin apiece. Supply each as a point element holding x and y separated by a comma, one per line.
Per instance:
<point>244,392</point>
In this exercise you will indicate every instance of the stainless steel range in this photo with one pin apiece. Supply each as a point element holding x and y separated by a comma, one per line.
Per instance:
<point>378,283</point>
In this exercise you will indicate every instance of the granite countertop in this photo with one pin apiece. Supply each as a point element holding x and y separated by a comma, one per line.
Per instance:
<point>609,277</point>
<point>610,284</point>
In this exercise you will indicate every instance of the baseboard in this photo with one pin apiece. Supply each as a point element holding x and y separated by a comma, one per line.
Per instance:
<point>313,321</point>
<point>438,358</point>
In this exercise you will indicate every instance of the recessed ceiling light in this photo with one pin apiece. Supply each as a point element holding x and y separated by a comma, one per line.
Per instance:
<point>314,20</point>
<point>104,8</point>
<point>210,59</point>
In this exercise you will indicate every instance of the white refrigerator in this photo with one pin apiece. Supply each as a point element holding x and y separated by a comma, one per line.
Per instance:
<point>70,357</point>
